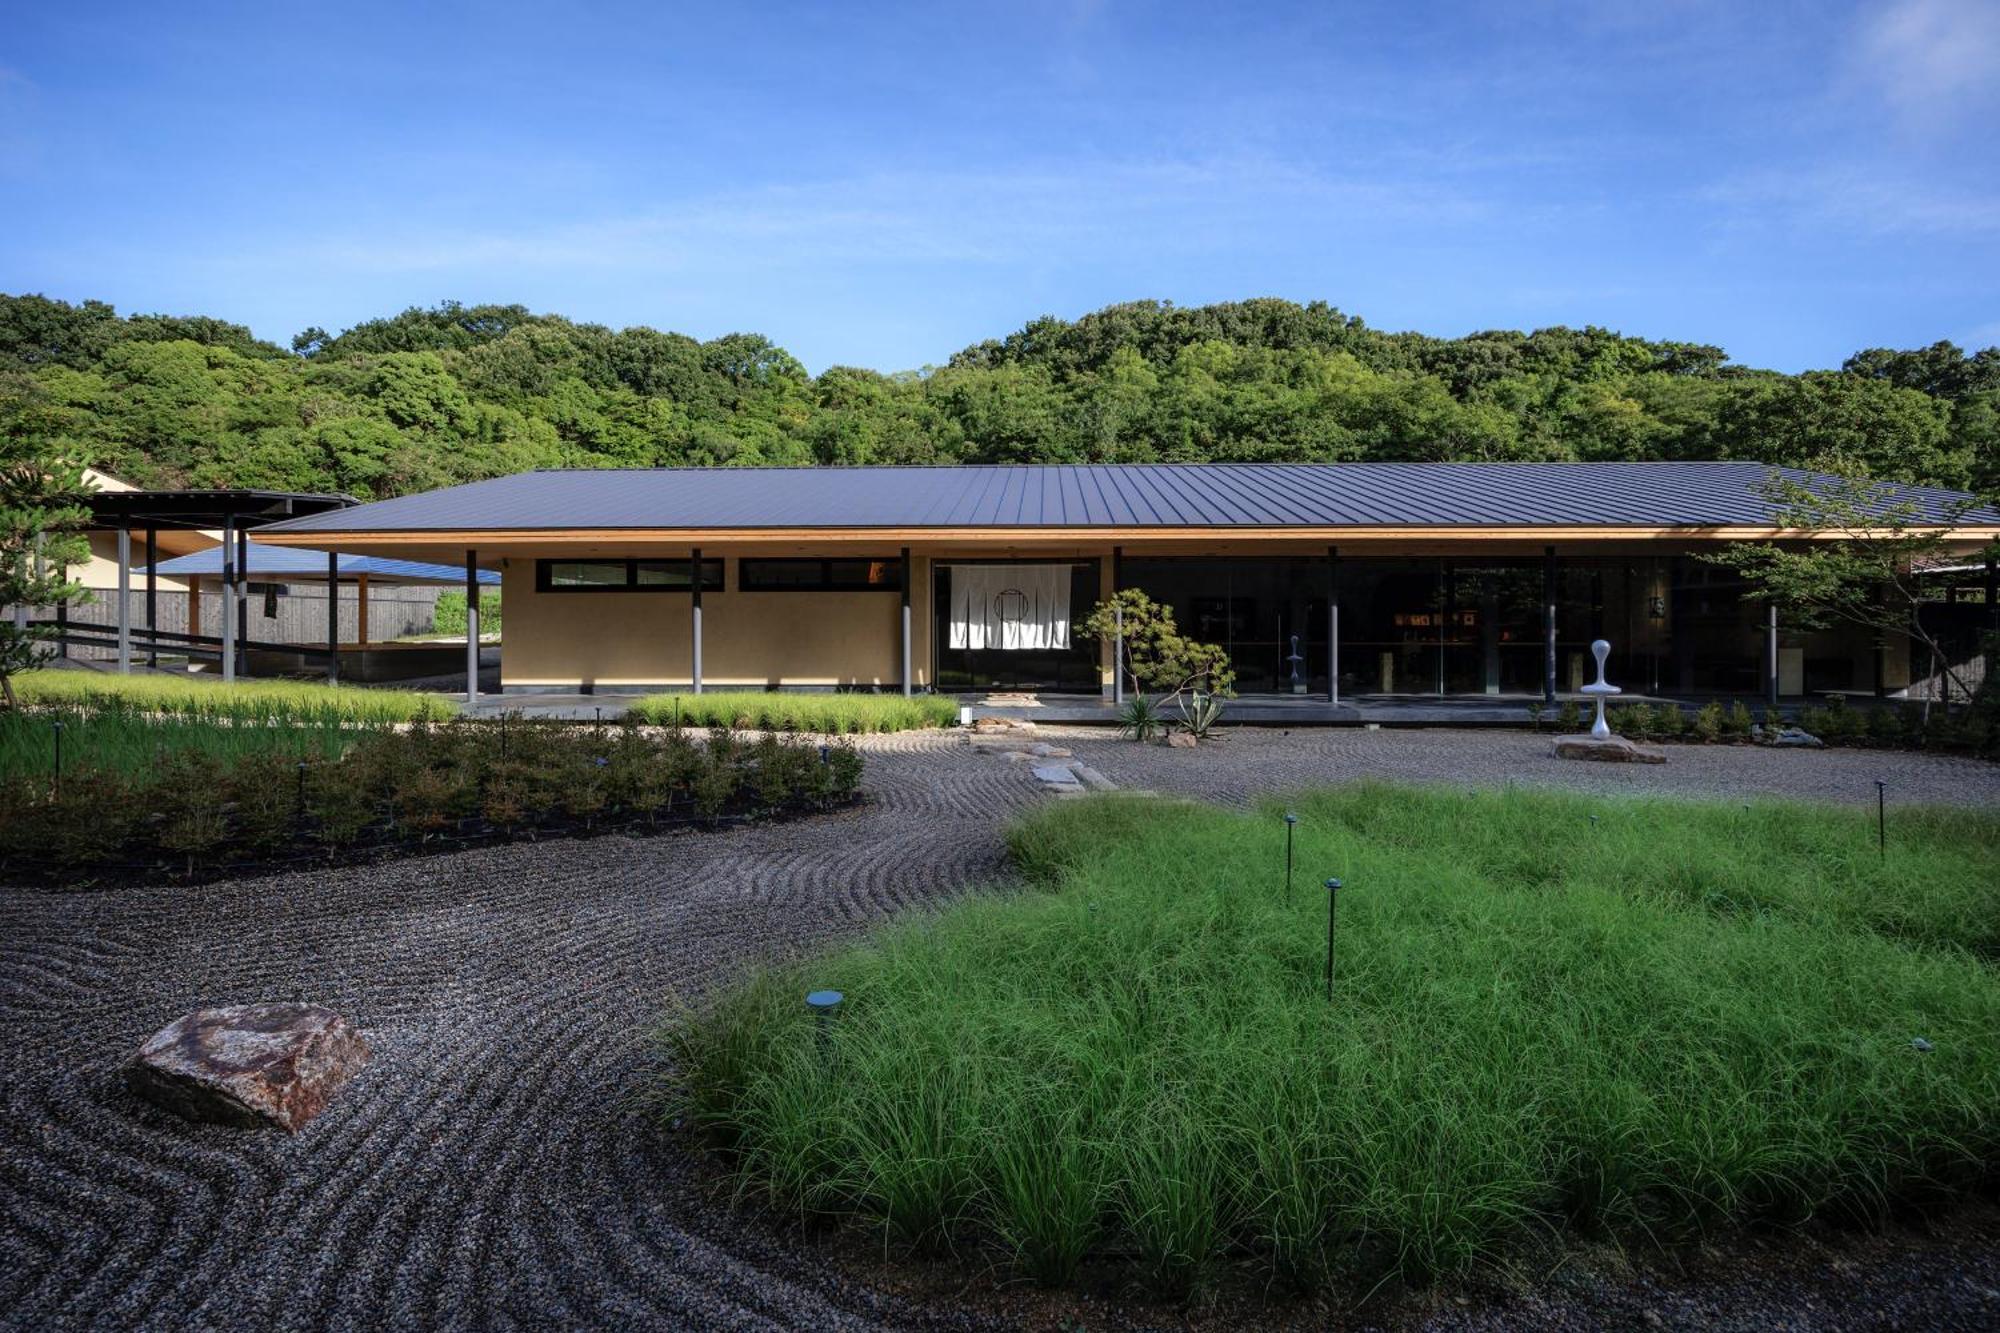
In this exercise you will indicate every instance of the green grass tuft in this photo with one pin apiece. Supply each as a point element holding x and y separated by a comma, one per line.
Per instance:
<point>837,714</point>
<point>1678,1019</point>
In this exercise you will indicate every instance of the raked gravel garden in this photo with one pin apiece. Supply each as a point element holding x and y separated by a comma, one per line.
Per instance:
<point>505,1160</point>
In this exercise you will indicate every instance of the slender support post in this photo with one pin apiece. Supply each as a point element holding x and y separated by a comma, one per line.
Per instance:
<point>1332,903</point>
<point>694,583</point>
<point>228,598</point>
<point>332,618</point>
<point>243,601</point>
<point>1771,655</point>
<point>471,626</point>
<point>1118,627</point>
<point>908,689</point>
<point>152,597</point>
<point>361,610</point>
<point>194,604</point>
<point>124,601</point>
<point>1118,655</point>
<point>1548,624</point>
<point>62,615</point>
<point>1333,625</point>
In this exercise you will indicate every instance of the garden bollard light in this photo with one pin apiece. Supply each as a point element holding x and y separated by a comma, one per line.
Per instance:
<point>1332,899</point>
<point>823,1003</point>
<point>299,810</point>
<point>1881,818</point>
<point>58,726</point>
<point>1291,822</point>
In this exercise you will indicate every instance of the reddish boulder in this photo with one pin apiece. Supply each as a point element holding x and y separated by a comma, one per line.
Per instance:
<point>1612,749</point>
<point>249,1064</point>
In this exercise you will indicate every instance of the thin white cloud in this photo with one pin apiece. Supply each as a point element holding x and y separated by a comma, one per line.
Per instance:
<point>913,217</point>
<point>1932,59</point>
<point>1855,200</point>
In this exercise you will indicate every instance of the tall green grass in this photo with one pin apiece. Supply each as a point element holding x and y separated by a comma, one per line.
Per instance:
<point>773,711</point>
<point>131,743</point>
<point>242,701</point>
<point>1676,1019</point>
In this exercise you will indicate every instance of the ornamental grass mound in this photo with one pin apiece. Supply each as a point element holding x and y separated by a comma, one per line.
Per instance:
<point>193,697</point>
<point>835,714</point>
<point>305,795</point>
<point>1673,1020</point>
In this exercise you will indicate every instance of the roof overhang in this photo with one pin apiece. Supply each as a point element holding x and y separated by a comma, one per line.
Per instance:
<point>190,509</point>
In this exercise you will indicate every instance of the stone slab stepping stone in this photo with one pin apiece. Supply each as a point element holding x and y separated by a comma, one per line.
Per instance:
<point>1090,777</point>
<point>249,1064</point>
<point>1056,774</point>
<point>1612,749</point>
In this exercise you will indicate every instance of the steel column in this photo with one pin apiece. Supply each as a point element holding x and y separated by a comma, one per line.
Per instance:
<point>1771,654</point>
<point>1548,624</point>
<point>694,584</point>
<point>243,600</point>
<point>1333,625</point>
<point>907,688</point>
<point>228,598</point>
<point>1118,627</point>
<point>124,601</point>
<point>471,626</point>
<point>332,618</point>
<point>152,598</point>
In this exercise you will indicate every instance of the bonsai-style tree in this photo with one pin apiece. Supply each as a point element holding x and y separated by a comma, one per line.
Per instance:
<point>1158,660</point>
<point>42,494</point>
<point>1861,560</point>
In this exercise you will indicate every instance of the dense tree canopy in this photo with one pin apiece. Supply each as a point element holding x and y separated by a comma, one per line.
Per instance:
<point>454,393</point>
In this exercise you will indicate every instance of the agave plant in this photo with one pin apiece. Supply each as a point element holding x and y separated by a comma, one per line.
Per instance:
<point>1140,720</point>
<point>1199,714</point>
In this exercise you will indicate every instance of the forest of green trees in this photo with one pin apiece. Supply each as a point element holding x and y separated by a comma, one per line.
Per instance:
<point>436,396</point>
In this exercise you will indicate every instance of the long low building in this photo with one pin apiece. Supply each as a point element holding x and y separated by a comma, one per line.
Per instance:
<point>1335,580</point>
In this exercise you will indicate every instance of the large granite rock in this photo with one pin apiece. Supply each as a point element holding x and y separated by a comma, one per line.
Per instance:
<point>1612,749</point>
<point>249,1064</point>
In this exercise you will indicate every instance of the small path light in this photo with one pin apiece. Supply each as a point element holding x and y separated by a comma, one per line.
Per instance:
<point>1881,818</point>
<point>57,724</point>
<point>299,809</point>
<point>1332,900</point>
<point>1291,822</point>
<point>824,1003</point>
<point>1593,821</point>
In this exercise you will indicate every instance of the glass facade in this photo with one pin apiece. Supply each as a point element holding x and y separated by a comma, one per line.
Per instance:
<point>1461,625</point>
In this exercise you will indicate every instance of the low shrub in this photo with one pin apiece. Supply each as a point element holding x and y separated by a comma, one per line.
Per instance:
<point>448,617</point>
<point>834,714</point>
<point>1673,1020</point>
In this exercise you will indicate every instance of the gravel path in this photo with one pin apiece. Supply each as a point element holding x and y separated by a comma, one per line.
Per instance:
<point>495,1165</point>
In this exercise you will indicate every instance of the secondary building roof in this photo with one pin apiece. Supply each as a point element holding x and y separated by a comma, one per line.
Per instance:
<point>298,562</point>
<point>1135,496</point>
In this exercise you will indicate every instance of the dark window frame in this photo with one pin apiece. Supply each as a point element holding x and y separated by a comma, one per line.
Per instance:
<point>826,583</point>
<point>711,576</point>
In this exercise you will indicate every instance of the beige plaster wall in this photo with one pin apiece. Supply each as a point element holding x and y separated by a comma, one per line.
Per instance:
<point>749,639</point>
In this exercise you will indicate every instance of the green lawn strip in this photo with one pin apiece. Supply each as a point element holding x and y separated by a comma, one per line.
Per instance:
<point>834,713</point>
<point>1646,1028</point>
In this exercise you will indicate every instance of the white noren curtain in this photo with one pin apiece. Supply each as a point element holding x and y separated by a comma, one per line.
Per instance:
<point>1010,606</point>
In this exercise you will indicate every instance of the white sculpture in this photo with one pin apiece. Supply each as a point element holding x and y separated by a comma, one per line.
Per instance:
<point>1600,729</point>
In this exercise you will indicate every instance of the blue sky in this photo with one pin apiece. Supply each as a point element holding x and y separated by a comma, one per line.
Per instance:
<point>881,187</point>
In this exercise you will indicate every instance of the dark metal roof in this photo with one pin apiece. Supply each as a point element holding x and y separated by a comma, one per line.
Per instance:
<point>205,509</point>
<point>305,563</point>
<point>1211,495</point>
